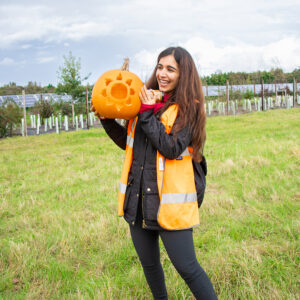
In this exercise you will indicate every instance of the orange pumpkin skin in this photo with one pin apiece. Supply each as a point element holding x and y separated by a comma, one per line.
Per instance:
<point>116,95</point>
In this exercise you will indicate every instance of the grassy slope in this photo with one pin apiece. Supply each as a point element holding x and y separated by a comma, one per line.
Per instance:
<point>60,237</point>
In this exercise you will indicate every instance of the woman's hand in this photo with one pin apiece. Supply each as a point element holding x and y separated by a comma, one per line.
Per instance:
<point>93,109</point>
<point>147,96</point>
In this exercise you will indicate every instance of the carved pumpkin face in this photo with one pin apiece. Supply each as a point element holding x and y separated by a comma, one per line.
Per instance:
<point>116,95</point>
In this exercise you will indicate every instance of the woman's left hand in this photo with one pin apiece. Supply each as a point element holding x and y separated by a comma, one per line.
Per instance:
<point>147,96</point>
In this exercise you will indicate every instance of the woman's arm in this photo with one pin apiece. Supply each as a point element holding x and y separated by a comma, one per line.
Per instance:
<point>169,146</point>
<point>115,131</point>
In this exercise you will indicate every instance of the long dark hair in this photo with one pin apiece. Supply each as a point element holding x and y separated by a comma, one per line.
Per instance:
<point>188,94</point>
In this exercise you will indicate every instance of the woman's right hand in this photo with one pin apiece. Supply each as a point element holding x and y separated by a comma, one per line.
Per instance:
<point>93,109</point>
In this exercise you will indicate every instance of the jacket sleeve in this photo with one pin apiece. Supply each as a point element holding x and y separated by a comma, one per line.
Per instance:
<point>169,146</point>
<point>115,131</point>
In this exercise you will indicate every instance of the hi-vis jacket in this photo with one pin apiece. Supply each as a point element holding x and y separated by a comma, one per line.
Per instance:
<point>178,207</point>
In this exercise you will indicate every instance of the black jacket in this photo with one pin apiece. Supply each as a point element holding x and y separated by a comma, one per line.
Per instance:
<point>142,198</point>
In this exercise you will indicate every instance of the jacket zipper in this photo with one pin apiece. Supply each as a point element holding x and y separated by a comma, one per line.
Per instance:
<point>144,223</point>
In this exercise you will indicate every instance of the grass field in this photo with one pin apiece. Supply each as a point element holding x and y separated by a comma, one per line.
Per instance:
<point>60,237</point>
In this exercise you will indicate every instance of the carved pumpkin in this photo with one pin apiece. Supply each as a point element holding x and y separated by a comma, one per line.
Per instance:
<point>116,95</point>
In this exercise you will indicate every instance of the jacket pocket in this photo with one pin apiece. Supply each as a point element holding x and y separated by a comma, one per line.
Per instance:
<point>150,203</point>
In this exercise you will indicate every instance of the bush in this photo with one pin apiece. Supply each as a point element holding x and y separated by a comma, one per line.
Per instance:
<point>10,116</point>
<point>43,108</point>
<point>66,109</point>
<point>248,94</point>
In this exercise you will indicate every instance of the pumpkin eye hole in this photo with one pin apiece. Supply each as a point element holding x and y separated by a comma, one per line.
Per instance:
<point>119,77</point>
<point>119,91</point>
<point>108,81</point>
<point>128,81</point>
<point>132,92</point>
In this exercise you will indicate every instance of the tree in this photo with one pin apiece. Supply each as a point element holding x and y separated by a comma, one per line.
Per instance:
<point>70,80</point>
<point>10,116</point>
<point>278,74</point>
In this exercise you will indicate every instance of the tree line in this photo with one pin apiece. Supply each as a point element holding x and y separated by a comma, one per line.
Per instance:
<point>275,75</point>
<point>70,81</point>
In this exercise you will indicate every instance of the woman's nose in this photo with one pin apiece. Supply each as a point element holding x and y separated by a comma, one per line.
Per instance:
<point>162,73</point>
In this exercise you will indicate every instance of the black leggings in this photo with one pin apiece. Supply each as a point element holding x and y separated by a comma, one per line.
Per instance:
<point>180,248</point>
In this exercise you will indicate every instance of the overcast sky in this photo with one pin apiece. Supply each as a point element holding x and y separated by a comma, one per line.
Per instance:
<point>222,36</point>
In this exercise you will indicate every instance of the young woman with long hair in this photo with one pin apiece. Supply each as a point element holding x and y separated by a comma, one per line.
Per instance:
<point>163,177</point>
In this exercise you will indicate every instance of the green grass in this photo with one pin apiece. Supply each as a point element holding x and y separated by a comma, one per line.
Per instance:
<point>60,237</point>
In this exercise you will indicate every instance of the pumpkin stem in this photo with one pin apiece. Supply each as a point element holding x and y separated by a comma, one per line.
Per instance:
<point>125,66</point>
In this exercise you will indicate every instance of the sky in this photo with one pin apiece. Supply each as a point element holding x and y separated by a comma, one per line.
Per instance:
<point>221,36</point>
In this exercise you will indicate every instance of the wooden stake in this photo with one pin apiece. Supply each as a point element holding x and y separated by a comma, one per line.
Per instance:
<point>262,94</point>
<point>296,91</point>
<point>87,108</point>
<point>73,112</point>
<point>24,113</point>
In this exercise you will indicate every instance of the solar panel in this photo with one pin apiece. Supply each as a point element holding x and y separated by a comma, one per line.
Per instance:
<point>31,99</point>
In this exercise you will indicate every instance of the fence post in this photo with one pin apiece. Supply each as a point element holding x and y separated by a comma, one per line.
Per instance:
<point>73,112</point>
<point>296,91</point>
<point>227,96</point>
<point>87,109</point>
<point>262,94</point>
<point>24,113</point>
<point>253,89</point>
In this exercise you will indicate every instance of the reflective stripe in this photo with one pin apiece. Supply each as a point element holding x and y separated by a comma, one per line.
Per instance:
<point>178,198</point>
<point>130,141</point>
<point>122,188</point>
<point>132,126</point>
<point>130,138</point>
<point>186,152</point>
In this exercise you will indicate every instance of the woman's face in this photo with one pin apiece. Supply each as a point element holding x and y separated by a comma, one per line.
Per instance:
<point>167,73</point>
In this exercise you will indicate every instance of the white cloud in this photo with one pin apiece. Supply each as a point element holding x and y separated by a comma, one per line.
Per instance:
<point>239,56</point>
<point>44,24</point>
<point>168,20</point>
<point>221,35</point>
<point>6,61</point>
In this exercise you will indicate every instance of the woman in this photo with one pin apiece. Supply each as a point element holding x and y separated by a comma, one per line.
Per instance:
<point>164,170</point>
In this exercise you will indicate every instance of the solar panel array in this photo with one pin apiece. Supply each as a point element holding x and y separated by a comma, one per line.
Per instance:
<point>30,99</point>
